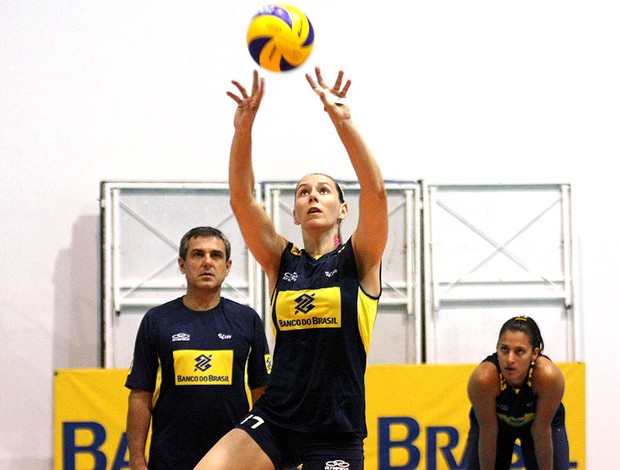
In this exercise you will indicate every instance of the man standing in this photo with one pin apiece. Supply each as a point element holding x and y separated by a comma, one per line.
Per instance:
<point>188,375</point>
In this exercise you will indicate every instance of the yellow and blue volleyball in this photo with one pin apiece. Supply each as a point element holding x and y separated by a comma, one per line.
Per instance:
<point>280,37</point>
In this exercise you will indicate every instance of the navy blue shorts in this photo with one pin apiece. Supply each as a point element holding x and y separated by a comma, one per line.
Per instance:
<point>288,449</point>
<point>506,439</point>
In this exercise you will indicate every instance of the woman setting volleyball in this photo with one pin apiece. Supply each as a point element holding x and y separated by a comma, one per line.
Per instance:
<point>516,393</point>
<point>313,412</point>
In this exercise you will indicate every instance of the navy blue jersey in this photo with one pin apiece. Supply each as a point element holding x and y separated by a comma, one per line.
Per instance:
<point>201,358</point>
<point>322,322</point>
<point>517,407</point>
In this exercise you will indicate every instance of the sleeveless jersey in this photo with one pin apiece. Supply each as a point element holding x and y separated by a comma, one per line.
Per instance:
<point>201,358</point>
<point>322,322</point>
<point>517,407</point>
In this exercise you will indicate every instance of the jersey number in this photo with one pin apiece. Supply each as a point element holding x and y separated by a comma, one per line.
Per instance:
<point>258,420</point>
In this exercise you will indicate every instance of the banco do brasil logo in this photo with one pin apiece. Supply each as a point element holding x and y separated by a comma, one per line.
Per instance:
<point>203,362</point>
<point>304,303</point>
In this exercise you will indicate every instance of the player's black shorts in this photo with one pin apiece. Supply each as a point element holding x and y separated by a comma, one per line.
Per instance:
<point>288,449</point>
<point>506,439</point>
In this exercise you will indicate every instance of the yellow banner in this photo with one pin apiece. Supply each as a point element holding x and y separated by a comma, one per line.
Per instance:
<point>90,411</point>
<point>417,417</point>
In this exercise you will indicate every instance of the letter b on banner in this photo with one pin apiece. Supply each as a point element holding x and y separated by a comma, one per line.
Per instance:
<point>71,449</point>
<point>411,430</point>
<point>97,437</point>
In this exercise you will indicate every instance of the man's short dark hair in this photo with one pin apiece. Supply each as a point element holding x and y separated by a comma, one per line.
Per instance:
<point>205,232</point>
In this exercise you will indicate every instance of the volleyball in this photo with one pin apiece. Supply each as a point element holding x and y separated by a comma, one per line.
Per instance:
<point>280,37</point>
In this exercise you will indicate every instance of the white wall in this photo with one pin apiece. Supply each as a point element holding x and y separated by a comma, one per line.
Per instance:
<point>447,91</point>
